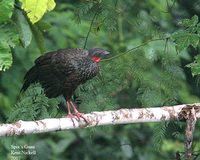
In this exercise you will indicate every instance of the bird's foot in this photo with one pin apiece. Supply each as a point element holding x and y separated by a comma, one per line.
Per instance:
<point>76,114</point>
<point>71,116</point>
<point>79,115</point>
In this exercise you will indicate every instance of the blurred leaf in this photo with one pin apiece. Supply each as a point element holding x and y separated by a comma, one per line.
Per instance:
<point>62,145</point>
<point>43,150</point>
<point>9,34</point>
<point>43,26</point>
<point>195,66</point>
<point>50,5</point>
<point>169,145</point>
<point>126,147</point>
<point>36,9</point>
<point>9,38</point>
<point>24,29</point>
<point>5,56</point>
<point>183,39</point>
<point>159,134</point>
<point>6,9</point>
<point>39,38</point>
<point>190,22</point>
<point>4,101</point>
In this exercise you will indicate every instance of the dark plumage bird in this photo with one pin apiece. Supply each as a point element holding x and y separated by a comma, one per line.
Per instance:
<point>60,72</point>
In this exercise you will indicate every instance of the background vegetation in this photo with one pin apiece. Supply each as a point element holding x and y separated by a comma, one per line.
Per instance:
<point>160,68</point>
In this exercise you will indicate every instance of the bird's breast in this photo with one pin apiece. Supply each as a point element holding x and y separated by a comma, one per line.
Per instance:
<point>89,71</point>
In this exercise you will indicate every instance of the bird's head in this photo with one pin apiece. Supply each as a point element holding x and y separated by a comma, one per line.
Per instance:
<point>96,54</point>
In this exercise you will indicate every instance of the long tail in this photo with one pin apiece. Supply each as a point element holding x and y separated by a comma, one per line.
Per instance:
<point>30,77</point>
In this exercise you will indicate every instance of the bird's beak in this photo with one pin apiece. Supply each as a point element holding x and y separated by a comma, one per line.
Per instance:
<point>106,53</point>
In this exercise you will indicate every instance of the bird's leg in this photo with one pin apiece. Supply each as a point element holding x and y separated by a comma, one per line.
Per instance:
<point>77,113</point>
<point>70,115</point>
<point>68,108</point>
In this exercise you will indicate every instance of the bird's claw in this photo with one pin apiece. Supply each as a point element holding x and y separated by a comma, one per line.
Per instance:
<point>77,116</point>
<point>71,116</point>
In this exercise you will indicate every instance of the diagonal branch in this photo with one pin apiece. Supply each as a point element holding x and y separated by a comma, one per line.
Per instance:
<point>91,24</point>
<point>121,116</point>
<point>135,48</point>
<point>190,127</point>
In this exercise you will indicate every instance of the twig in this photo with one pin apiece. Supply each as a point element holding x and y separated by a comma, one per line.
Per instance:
<point>121,116</point>
<point>134,48</point>
<point>166,41</point>
<point>91,24</point>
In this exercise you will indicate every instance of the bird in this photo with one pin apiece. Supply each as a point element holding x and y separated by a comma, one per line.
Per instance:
<point>61,72</point>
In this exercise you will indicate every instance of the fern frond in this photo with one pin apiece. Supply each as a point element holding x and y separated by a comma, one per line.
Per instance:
<point>33,104</point>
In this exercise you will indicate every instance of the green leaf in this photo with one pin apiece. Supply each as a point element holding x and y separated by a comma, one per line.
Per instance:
<point>194,20</point>
<point>190,22</point>
<point>9,34</point>
<point>9,38</point>
<point>24,29</point>
<point>6,8</point>
<point>36,9</point>
<point>195,66</point>
<point>5,56</point>
<point>183,39</point>
<point>50,5</point>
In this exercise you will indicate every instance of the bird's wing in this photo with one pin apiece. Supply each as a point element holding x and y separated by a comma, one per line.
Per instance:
<point>54,68</point>
<point>46,75</point>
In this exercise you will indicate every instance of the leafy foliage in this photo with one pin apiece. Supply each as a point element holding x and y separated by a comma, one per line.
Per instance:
<point>195,66</point>
<point>188,36</point>
<point>184,39</point>
<point>33,104</point>
<point>8,39</point>
<point>107,14</point>
<point>6,8</point>
<point>159,134</point>
<point>13,29</point>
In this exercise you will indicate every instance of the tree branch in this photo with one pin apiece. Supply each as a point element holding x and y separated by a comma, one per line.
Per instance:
<point>191,121</point>
<point>121,116</point>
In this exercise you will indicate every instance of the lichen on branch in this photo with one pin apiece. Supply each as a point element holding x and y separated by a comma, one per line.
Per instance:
<point>121,116</point>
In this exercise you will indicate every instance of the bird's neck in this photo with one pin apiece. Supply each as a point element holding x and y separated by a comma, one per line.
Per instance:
<point>96,59</point>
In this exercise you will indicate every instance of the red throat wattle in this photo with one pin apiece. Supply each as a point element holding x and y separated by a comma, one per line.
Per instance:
<point>96,59</point>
